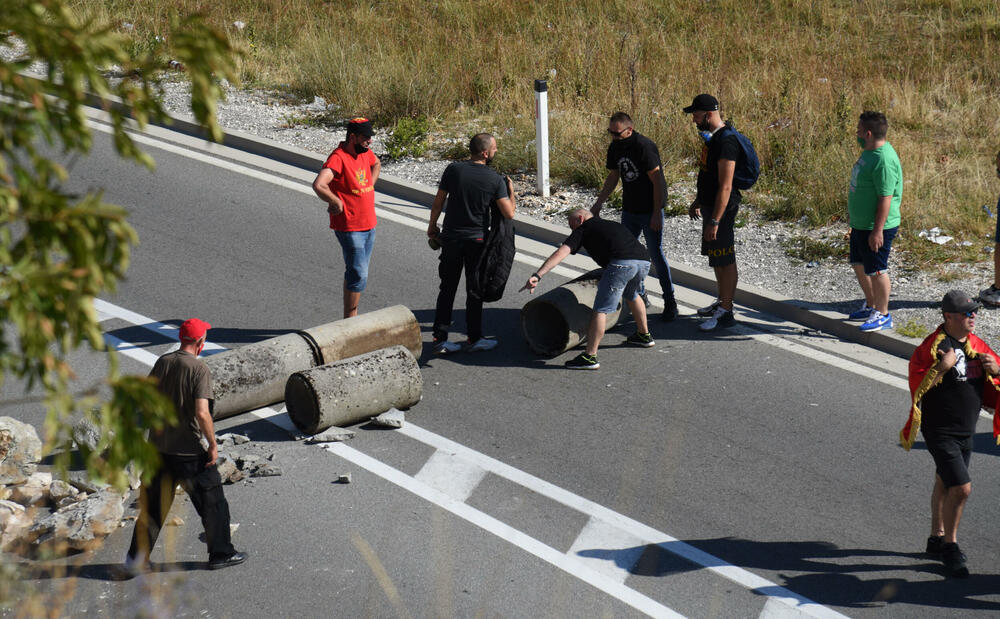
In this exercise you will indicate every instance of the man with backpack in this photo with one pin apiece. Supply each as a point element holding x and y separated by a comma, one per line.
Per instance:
<point>728,163</point>
<point>469,187</point>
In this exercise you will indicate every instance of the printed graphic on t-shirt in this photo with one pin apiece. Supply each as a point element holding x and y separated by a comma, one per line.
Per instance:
<point>855,171</point>
<point>628,170</point>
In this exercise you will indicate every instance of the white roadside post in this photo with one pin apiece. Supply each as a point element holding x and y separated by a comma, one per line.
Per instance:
<point>542,136</point>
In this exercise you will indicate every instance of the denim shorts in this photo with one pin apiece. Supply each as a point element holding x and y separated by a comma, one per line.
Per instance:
<point>357,248</point>
<point>861,253</point>
<point>620,280</point>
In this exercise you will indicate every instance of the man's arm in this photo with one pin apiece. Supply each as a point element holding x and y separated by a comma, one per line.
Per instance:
<point>376,168</point>
<point>322,188</point>
<point>727,167</point>
<point>875,239</point>
<point>659,198</point>
<point>609,185</point>
<point>436,208</point>
<point>204,417</point>
<point>508,205</point>
<point>557,256</point>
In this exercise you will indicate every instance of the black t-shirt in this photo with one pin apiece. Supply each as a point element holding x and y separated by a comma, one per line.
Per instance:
<point>634,157</point>
<point>952,407</point>
<point>472,188</point>
<point>606,240</point>
<point>723,145</point>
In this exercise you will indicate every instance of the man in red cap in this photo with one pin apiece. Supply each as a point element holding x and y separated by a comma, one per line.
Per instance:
<point>188,453</point>
<point>347,185</point>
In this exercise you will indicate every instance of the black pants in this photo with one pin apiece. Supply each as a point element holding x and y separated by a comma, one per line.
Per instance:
<point>457,255</point>
<point>204,486</point>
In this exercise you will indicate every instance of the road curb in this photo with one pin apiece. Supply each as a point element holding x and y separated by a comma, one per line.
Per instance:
<point>704,281</point>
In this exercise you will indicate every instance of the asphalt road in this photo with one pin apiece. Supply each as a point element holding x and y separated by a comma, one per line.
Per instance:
<point>744,474</point>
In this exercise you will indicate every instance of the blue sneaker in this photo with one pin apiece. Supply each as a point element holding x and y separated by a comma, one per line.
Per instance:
<point>877,322</point>
<point>862,313</point>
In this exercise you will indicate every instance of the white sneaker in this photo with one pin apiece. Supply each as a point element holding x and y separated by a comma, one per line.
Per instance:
<point>720,319</point>
<point>446,347</point>
<point>483,344</point>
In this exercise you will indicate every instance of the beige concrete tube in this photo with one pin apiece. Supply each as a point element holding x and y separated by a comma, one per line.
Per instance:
<point>390,326</point>
<point>557,320</point>
<point>252,376</point>
<point>353,389</point>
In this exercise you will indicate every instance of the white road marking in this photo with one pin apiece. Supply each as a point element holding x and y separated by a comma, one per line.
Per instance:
<point>607,549</point>
<point>450,474</point>
<point>610,520</point>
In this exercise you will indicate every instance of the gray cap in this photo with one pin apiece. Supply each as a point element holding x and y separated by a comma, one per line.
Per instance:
<point>958,302</point>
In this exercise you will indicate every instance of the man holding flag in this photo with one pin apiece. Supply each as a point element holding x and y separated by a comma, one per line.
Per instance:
<point>952,376</point>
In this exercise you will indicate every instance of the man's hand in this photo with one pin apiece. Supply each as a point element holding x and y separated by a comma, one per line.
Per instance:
<point>694,212</point>
<point>433,231</point>
<point>213,455</point>
<point>530,285</point>
<point>947,361</point>
<point>595,210</point>
<point>711,231</point>
<point>656,221</point>
<point>989,364</point>
<point>875,240</point>
<point>335,207</point>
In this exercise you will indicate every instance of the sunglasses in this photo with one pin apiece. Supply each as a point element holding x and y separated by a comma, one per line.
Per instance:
<point>617,134</point>
<point>970,314</point>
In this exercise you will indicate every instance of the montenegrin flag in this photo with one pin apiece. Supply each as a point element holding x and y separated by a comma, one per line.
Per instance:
<point>923,376</point>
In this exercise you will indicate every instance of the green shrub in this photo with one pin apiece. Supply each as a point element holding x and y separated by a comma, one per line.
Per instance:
<point>408,139</point>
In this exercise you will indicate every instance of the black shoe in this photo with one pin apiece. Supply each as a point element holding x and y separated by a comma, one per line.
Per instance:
<point>721,319</point>
<point>954,561</point>
<point>934,546</point>
<point>669,310</point>
<point>640,339</point>
<point>583,361</point>
<point>234,559</point>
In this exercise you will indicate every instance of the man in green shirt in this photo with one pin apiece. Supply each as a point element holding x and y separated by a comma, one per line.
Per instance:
<point>873,213</point>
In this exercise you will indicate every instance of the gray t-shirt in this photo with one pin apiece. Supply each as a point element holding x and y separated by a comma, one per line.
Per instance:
<point>183,378</point>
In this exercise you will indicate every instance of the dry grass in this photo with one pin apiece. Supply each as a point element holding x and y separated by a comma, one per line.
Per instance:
<point>792,74</point>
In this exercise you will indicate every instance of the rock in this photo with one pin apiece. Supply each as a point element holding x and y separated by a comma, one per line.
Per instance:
<point>81,526</point>
<point>227,469</point>
<point>80,481</point>
<point>70,500</point>
<point>392,418</point>
<point>266,470</point>
<point>175,521</point>
<point>247,462</point>
<point>86,434</point>
<point>59,490</point>
<point>343,479</point>
<point>20,451</point>
<point>232,439</point>
<point>14,524</point>
<point>33,491</point>
<point>331,435</point>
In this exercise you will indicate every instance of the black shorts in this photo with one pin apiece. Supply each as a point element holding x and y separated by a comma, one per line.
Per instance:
<point>951,457</point>
<point>722,250</point>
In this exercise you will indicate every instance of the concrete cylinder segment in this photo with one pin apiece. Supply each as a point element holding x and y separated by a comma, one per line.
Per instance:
<point>557,320</point>
<point>353,389</point>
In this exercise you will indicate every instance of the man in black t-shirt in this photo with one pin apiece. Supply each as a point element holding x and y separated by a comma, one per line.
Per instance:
<point>626,264</point>
<point>717,202</point>
<point>634,159</point>
<point>956,369</point>
<point>470,187</point>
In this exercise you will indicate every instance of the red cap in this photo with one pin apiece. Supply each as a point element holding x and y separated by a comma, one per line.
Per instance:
<point>194,329</point>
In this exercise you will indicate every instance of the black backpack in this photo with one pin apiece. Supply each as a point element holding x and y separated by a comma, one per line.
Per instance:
<point>490,276</point>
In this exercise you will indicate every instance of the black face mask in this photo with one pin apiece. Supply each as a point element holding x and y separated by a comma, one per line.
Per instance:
<point>359,148</point>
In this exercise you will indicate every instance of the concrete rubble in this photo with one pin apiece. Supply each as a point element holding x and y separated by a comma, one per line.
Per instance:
<point>80,526</point>
<point>392,418</point>
<point>20,451</point>
<point>331,435</point>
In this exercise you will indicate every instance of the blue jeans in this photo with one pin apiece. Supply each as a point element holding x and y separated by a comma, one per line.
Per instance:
<point>639,222</point>
<point>357,249</point>
<point>621,280</point>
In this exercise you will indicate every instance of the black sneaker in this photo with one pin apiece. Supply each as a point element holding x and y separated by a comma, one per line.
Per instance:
<point>954,561</point>
<point>640,339</point>
<point>669,310</point>
<point>583,361</point>
<point>934,546</point>
<point>222,562</point>
<point>708,310</point>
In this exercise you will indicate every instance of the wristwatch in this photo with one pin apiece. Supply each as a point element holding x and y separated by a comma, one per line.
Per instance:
<point>714,222</point>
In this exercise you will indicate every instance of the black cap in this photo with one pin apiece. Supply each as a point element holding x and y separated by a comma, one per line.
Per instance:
<point>703,103</point>
<point>958,302</point>
<point>361,126</point>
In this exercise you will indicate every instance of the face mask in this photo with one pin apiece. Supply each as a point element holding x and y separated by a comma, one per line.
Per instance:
<point>705,135</point>
<point>359,149</point>
<point>861,142</point>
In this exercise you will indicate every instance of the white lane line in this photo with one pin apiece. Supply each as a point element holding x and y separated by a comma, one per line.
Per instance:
<point>570,565</point>
<point>607,549</point>
<point>632,527</point>
<point>107,310</point>
<point>450,474</point>
<point>647,534</point>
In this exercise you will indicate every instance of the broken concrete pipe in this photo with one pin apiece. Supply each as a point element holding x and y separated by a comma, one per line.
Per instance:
<point>353,390</point>
<point>557,320</point>
<point>254,376</point>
